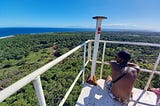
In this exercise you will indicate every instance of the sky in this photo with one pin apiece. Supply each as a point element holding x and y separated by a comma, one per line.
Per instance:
<point>122,14</point>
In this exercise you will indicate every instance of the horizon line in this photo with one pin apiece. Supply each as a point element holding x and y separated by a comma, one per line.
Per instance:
<point>120,29</point>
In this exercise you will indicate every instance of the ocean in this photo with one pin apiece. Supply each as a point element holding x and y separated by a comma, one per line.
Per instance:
<point>11,31</point>
<point>4,32</point>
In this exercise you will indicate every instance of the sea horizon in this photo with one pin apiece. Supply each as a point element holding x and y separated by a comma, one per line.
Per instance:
<point>12,31</point>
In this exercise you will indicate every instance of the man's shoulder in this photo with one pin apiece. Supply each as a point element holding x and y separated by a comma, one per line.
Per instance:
<point>127,68</point>
<point>113,62</point>
<point>134,66</point>
<point>131,71</point>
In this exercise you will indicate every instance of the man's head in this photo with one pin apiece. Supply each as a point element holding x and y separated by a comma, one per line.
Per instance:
<point>123,57</point>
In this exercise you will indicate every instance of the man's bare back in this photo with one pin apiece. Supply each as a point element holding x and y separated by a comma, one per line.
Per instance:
<point>123,88</point>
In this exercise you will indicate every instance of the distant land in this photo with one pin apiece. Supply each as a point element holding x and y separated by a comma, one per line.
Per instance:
<point>10,31</point>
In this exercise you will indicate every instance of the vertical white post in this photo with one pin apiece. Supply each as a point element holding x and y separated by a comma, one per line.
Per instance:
<point>96,43</point>
<point>39,91</point>
<point>84,62</point>
<point>89,50</point>
<point>104,46</point>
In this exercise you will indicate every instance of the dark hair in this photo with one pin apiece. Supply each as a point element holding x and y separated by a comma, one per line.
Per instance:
<point>124,55</point>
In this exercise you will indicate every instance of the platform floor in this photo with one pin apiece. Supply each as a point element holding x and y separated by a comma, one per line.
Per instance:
<point>97,96</point>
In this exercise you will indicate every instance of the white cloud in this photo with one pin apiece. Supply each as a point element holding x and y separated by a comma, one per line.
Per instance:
<point>132,26</point>
<point>120,25</point>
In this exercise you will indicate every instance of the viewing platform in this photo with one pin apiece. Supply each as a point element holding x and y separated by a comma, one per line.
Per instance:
<point>90,95</point>
<point>97,96</point>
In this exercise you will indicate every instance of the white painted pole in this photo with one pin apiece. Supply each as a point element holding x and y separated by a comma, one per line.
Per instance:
<point>39,91</point>
<point>89,50</point>
<point>96,43</point>
<point>84,61</point>
<point>104,46</point>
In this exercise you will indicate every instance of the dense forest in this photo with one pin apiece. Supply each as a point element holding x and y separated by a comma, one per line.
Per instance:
<point>23,54</point>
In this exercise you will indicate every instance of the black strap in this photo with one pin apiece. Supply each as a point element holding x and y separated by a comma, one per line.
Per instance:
<point>121,76</point>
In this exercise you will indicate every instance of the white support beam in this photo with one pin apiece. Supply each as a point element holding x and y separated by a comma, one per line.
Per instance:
<point>39,91</point>
<point>104,48</point>
<point>96,43</point>
<point>84,61</point>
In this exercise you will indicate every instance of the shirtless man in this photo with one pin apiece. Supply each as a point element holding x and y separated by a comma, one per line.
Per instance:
<point>122,88</point>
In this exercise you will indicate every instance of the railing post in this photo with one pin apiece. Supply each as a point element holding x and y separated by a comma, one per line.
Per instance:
<point>101,71</point>
<point>84,60</point>
<point>38,87</point>
<point>89,50</point>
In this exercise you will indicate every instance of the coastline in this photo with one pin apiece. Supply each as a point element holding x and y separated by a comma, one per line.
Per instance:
<point>7,36</point>
<point>9,31</point>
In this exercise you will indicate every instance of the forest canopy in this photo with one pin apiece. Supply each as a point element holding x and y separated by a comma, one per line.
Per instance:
<point>23,54</point>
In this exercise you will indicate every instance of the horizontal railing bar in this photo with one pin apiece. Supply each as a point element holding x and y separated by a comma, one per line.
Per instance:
<point>142,69</point>
<point>71,87</point>
<point>150,71</point>
<point>130,43</point>
<point>27,79</point>
<point>100,62</point>
<point>142,103</point>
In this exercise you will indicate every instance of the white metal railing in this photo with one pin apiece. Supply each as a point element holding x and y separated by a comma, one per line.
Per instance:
<point>102,61</point>
<point>35,76</point>
<point>149,80</point>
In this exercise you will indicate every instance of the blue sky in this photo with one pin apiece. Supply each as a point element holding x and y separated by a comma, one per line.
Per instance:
<point>123,14</point>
